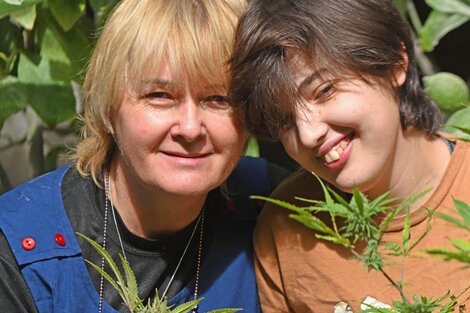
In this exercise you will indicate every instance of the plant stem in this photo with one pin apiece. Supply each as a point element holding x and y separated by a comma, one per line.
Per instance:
<point>394,284</point>
<point>413,15</point>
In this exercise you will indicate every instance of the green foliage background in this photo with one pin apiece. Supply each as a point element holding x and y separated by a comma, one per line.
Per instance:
<point>45,45</point>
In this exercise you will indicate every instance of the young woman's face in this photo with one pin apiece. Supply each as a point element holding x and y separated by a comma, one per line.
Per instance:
<point>348,131</point>
<point>174,138</point>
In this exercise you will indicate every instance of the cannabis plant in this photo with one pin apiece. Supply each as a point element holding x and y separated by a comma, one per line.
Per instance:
<point>127,287</point>
<point>363,220</point>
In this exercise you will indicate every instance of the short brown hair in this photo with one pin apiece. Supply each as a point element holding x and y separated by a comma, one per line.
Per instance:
<point>363,38</point>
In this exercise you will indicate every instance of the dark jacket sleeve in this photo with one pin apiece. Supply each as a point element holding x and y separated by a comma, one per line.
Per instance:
<point>14,293</point>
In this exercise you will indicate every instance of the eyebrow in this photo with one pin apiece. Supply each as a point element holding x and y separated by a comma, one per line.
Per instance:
<point>311,78</point>
<point>157,82</point>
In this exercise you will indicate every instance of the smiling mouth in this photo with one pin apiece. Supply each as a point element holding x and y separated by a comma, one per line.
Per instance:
<point>186,156</point>
<point>334,154</point>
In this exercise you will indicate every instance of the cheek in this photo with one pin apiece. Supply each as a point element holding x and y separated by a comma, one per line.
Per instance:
<point>228,132</point>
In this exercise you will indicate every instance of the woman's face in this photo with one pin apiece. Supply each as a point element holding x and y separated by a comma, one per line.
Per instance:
<point>348,132</point>
<point>176,139</point>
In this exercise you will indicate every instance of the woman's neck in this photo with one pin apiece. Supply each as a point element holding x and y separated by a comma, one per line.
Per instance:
<point>418,166</point>
<point>148,211</point>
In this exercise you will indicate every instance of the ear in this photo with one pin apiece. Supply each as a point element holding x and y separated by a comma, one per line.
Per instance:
<point>399,72</point>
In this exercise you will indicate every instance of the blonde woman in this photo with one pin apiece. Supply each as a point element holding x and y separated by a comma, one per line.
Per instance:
<point>159,138</point>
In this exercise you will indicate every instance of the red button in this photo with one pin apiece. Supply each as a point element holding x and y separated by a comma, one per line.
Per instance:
<point>59,239</point>
<point>28,243</point>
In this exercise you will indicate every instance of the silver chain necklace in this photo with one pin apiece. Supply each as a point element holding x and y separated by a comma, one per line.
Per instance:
<point>200,219</point>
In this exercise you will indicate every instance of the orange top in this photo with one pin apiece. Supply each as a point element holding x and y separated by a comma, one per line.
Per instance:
<point>298,273</point>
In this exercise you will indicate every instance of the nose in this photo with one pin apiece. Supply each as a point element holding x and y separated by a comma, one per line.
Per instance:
<point>189,121</point>
<point>311,131</point>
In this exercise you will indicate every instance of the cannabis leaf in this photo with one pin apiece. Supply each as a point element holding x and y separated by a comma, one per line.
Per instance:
<point>462,247</point>
<point>127,287</point>
<point>362,220</point>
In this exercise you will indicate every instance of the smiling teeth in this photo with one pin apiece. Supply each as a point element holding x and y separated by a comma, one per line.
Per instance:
<point>335,153</point>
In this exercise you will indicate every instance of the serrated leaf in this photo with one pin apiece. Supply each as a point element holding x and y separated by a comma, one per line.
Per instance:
<point>104,273</point>
<point>437,25</point>
<point>326,193</point>
<point>393,247</point>
<point>67,12</point>
<point>280,203</point>
<point>185,307</point>
<point>312,222</point>
<point>450,6</point>
<point>132,290</point>
<point>109,260</point>
<point>358,199</point>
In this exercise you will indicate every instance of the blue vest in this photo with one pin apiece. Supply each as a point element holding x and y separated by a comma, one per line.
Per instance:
<point>34,221</point>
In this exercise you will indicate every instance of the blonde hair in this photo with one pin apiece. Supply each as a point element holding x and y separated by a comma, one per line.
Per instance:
<point>195,37</point>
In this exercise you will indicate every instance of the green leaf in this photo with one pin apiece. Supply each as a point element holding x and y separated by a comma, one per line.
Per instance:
<point>464,210</point>
<point>67,12</point>
<point>52,49</point>
<point>226,310</point>
<point>186,307</point>
<point>13,97</point>
<point>358,199</point>
<point>460,244</point>
<point>101,251</point>
<point>74,43</point>
<point>131,284</point>
<point>252,147</point>
<point>54,103</point>
<point>458,124</point>
<point>406,233</point>
<point>105,275</point>
<point>450,6</point>
<point>8,8</point>
<point>52,99</point>
<point>450,255</point>
<point>25,17</point>
<point>328,199</point>
<point>102,8</point>
<point>394,248</point>
<point>98,5</point>
<point>437,25</point>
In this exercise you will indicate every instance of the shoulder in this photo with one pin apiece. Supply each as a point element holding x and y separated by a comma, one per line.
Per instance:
<point>301,184</point>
